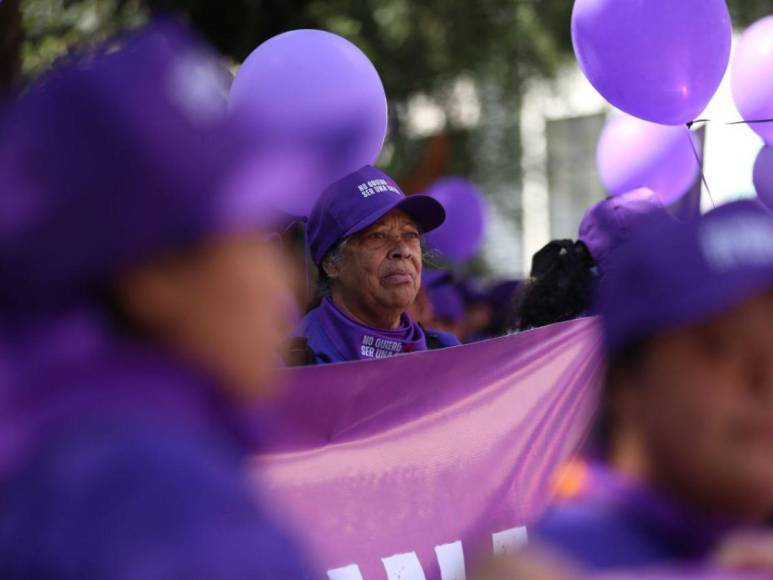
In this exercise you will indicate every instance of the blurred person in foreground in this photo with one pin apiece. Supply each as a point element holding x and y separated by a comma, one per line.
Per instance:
<point>141,309</point>
<point>364,235</point>
<point>565,272</point>
<point>686,428</point>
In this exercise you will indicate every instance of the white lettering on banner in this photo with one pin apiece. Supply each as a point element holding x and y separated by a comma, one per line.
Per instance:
<point>509,541</point>
<point>351,572</point>
<point>403,567</point>
<point>450,559</point>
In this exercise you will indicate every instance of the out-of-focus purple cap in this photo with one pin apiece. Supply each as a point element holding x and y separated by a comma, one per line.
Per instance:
<point>670,275</point>
<point>472,290</point>
<point>113,158</point>
<point>359,200</point>
<point>430,278</point>
<point>447,303</point>
<point>502,295</point>
<point>608,224</point>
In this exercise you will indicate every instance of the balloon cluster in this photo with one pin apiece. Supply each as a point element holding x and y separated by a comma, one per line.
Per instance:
<point>661,62</point>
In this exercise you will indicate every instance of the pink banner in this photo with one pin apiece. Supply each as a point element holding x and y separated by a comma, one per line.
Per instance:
<point>412,467</point>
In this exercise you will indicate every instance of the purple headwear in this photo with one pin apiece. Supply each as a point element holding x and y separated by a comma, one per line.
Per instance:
<point>608,224</point>
<point>359,200</point>
<point>447,303</point>
<point>113,159</point>
<point>670,274</point>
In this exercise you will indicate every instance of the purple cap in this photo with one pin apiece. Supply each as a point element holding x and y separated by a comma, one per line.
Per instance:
<point>472,290</point>
<point>608,224</point>
<point>447,303</point>
<point>430,278</point>
<point>114,158</point>
<point>359,200</point>
<point>670,275</point>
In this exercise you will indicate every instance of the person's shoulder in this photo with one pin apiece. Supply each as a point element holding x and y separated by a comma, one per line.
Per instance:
<point>147,497</point>
<point>597,535</point>
<point>439,339</point>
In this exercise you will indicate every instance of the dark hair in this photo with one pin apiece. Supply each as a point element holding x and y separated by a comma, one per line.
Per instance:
<point>563,274</point>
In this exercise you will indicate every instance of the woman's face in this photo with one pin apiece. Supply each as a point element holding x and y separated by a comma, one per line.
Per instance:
<point>381,268</point>
<point>703,404</point>
<point>227,307</point>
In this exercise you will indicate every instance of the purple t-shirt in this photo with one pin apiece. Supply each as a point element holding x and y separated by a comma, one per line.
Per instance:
<point>615,522</point>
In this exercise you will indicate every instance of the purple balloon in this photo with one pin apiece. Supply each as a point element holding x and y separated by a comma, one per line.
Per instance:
<point>753,77</point>
<point>763,176</point>
<point>633,153</point>
<point>313,93</point>
<point>659,60</point>
<point>461,235</point>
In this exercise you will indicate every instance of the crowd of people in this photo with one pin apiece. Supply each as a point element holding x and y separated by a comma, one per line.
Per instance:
<point>146,300</point>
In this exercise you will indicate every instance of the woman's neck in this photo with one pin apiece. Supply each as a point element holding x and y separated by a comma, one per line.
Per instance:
<point>385,319</point>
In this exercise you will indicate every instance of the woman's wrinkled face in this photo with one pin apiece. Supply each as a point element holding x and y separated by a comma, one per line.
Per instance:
<point>381,266</point>
<point>227,307</point>
<point>704,404</point>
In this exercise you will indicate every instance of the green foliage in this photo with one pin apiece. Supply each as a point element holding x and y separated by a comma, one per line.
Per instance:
<point>52,27</point>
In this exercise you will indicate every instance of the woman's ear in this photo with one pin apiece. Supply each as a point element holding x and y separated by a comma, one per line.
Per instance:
<point>331,269</point>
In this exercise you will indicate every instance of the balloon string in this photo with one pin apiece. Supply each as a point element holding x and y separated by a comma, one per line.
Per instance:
<point>699,161</point>
<point>751,122</point>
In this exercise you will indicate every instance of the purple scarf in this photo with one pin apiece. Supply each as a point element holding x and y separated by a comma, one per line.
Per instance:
<point>355,341</point>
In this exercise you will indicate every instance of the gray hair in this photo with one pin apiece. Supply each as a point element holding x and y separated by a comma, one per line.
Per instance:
<point>335,257</point>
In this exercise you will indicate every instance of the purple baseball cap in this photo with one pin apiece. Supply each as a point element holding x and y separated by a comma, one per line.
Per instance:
<point>359,200</point>
<point>608,224</point>
<point>430,278</point>
<point>116,157</point>
<point>670,275</point>
<point>447,303</point>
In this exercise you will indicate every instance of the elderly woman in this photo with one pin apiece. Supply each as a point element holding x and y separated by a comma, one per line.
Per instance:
<point>141,308</point>
<point>364,234</point>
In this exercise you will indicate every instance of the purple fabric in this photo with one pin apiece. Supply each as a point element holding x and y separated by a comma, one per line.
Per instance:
<point>609,223</point>
<point>402,456</point>
<point>669,274</point>
<point>334,337</point>
<point>618,523</point>
<point>358,201</point>
<point>114,158</point>
<point>119,462</point>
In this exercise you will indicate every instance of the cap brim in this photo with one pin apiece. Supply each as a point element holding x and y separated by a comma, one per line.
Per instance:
<point>426,211</point>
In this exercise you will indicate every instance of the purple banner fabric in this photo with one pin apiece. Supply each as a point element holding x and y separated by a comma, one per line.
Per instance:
<point>413,466</point>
